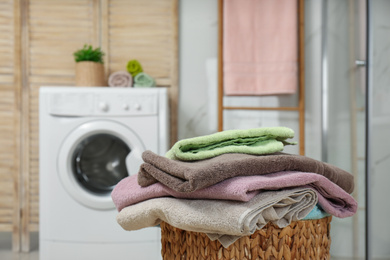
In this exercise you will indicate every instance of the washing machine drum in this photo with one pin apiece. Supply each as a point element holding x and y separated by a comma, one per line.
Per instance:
<point>94,158</point>
<point>98,162</point>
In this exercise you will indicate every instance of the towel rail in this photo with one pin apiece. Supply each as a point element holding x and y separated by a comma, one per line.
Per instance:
<point>262,108</point>
<point>300,108</point>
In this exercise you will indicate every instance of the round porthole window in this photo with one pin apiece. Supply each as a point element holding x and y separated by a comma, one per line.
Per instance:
<point>94,157</point>
<point>99,162</point>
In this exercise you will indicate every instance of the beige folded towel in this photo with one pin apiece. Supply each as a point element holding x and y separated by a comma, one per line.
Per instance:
<point>120,79</point>
<point>222,219</point>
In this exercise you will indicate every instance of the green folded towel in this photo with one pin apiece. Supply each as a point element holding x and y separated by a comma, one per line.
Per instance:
<point>263,140</point>
<point>134,67</point>
<point>143,80</point>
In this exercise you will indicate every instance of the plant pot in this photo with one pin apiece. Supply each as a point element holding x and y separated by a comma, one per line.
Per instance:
<point>90,74</point>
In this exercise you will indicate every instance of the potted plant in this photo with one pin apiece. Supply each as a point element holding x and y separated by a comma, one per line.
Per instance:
<point>89,66</point>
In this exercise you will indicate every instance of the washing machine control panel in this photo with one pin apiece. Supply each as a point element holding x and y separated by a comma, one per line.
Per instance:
<point>100,104</point>
<point>126,104</point>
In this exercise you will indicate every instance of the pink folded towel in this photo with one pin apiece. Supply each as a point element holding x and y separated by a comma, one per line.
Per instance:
<point>331,197</point>
<point>260,47</point>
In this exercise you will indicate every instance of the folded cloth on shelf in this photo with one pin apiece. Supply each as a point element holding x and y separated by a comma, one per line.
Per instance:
<point>222,219</point>
<point>143,80</point>
<point>134,67</point>
<point>331,197</point>
<point>120,79</point>
<point>264,140</point>
<point>190,176</point>
<point>316,213</point>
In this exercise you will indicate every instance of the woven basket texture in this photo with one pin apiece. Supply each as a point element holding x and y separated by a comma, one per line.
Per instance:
<point>306,239</point>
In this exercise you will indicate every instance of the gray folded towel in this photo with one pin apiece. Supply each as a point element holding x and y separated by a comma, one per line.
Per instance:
<point>224,220</point>
<point>190,176</point>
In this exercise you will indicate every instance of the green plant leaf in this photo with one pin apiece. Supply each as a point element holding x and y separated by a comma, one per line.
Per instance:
<point>88,53</point>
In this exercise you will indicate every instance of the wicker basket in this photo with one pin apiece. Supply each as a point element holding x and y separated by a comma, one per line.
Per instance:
<point>308,239</point>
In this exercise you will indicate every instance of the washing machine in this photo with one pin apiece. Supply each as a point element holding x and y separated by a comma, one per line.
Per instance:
<point>90,138</point>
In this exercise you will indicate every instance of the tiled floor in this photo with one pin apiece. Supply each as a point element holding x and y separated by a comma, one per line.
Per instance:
<point>34,255</point>
<point>8,255</point>
<point>6,248</point>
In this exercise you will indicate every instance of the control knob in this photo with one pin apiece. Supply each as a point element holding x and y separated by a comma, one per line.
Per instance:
<point>103,106</point>
<point>137,106</point>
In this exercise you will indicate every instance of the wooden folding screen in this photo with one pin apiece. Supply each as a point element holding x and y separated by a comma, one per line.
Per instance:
<point>9,122</point>
<point>38,38</point>
<point>300,108</point>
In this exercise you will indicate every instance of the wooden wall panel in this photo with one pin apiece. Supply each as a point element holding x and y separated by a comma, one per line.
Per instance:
<point>8,153</point>
<point>142,30</point>
<point>148,32</point>
<point>7,162</point>
<point>55,29</point>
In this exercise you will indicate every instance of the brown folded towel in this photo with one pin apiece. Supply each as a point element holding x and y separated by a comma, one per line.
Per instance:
<point>190,176</point>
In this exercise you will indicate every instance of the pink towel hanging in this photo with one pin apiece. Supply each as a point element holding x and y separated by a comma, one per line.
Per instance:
<point>260,47</point>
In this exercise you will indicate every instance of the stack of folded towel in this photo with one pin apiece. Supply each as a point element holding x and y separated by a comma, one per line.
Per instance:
<point>231,184</point>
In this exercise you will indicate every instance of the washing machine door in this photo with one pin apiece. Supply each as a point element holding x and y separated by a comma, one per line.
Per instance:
<point>94,158</point>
